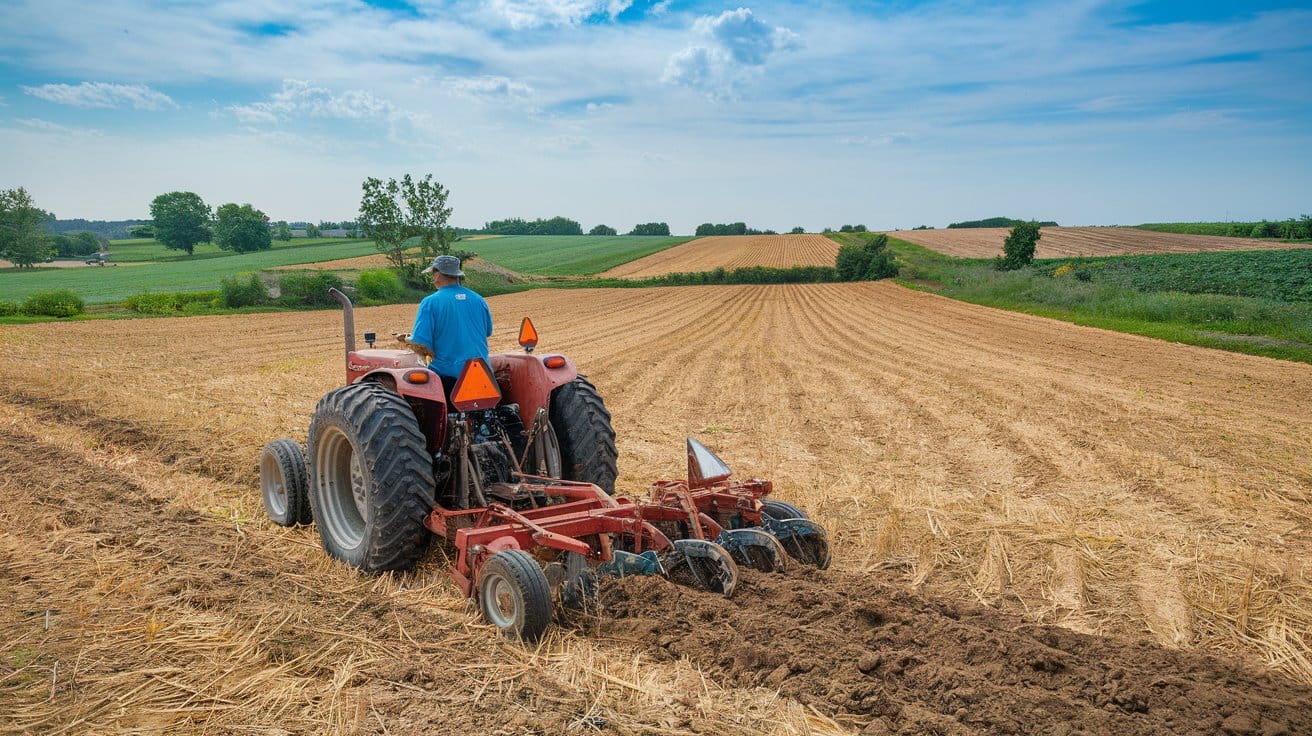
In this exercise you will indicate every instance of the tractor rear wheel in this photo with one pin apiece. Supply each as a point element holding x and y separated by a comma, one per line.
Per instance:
<point>514,594</point>
<point>284,483</point>
<point>371,479</point>
<point>587,441</point>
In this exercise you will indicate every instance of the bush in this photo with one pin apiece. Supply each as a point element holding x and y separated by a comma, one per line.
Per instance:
<point>869,260</point>
<point>382,285</point>
<point>1018,248</point>
<point>308,288</point>
<point>8,308</point>
<point>242,291</point>
<point>168,302</point>
<point>55,303</point>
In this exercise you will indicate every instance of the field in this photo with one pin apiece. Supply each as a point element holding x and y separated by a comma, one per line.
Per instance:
<point>567,255</point>
<point>1040,484</point>
<point>733,251</point>
<point>170,272</point>
<point>1068,242</point>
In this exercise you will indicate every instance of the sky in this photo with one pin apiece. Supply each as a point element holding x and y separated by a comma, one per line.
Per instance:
<point>778,114</point>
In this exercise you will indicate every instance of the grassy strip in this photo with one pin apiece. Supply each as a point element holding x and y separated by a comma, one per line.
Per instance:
<point>1246,324</point>
<point>113,284</point>
<point>567,255</point>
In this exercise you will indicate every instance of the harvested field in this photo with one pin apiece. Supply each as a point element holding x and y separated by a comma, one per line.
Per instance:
<point>730,252</point>
<point>1017,472</point>
<point>1067,242</point>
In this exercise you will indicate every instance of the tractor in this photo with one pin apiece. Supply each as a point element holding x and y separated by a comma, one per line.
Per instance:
<point>516,470</point>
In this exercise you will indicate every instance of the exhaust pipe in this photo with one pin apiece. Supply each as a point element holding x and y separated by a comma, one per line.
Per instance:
<point>348,317</point>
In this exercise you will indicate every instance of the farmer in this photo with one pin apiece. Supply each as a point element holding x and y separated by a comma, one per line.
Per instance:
<point>453,322</point>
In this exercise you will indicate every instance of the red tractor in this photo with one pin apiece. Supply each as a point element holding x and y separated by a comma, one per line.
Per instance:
<point>516,470</point>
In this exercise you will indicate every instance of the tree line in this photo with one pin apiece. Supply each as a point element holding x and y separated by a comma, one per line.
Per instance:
<point>557,225</point>
<point>998,222</point>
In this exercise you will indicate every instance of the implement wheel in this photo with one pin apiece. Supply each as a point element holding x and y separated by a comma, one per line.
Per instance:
<point>587,442</point>
<point>371,479</point>
<point>284,483</point>
<point>514,595</point>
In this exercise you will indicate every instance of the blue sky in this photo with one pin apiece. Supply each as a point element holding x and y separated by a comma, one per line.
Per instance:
<point>891,114</point>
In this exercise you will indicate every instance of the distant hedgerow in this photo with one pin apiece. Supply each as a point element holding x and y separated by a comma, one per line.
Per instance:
<point>242,291</point>
<point>308,288</point>
<point>381,285</point>
<point>54,303</point>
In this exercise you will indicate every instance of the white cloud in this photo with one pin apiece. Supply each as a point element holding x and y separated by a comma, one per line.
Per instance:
<point>563,144</point>
<point>535,13</point>
<point>489,86</point>
<point>45,126</point>
<point>102,94</point>
<point>298,98</point>
<point>733,47</point>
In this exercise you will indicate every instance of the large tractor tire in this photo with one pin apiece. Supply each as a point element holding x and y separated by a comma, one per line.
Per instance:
<point>371,479</point>
<point>582,427</point>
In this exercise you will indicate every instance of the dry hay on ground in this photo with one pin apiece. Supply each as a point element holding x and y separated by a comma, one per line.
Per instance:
<point>1106,483</point>
<point>730,252</point>
<point>1067,242</point>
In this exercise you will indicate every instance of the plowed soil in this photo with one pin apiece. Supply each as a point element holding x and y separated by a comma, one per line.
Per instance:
<point>984,475</point>
<point>866,649</point>
<point>730,252</point>
<point>1067,242</point>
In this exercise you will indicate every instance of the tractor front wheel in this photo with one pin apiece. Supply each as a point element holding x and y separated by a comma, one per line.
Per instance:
<point>283,483</point>
<point>514,594</point>
<point>586,439</point>
<point>371,479</point>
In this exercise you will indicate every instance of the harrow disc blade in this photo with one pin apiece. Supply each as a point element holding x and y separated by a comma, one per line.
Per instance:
<point>701,564</point>
<point>803,540</point>
<point>753,548</point>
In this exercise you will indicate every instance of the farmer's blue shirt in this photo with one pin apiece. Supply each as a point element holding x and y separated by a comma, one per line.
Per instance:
<point>455,324</point>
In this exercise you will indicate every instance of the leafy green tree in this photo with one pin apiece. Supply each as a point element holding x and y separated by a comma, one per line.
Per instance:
<point>391,213</point>
<point>313,231</point>
<point>21,238</point>
<point>1018,248</point>
<point>142,231</point>
<point>651,228</point>
<point>602,230</point>
<point>241,228</point>
<point>282,231</point>
<point>182,220</point>
<point>799,230</point>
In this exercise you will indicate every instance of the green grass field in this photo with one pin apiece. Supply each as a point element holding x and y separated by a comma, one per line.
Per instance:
<point>1245,301</point>
<point>1300,230</point>
<point>202,271</point>
<point>566,255</point>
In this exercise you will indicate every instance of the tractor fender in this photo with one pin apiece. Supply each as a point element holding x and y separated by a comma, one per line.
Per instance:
<point>525,379</point>
<point>395,379</point>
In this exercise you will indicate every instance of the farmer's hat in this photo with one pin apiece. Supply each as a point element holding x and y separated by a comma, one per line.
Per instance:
<point>446,265</point>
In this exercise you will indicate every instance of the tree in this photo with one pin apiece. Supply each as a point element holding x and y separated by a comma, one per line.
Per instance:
<point>282,231</point>
<point>142,231</point>
<point>392,213</point>
<point>182,220</point>
<point>602,230</point>
<point>1018,248</point>
<point>241,228</point>
<point>21,238</point>
<point>313,231</point>
<point>866,260</point>
<point>651,228</point>
<point>799,230</point>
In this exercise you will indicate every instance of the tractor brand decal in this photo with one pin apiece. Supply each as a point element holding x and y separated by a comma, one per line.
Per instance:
<point>357,367</point>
